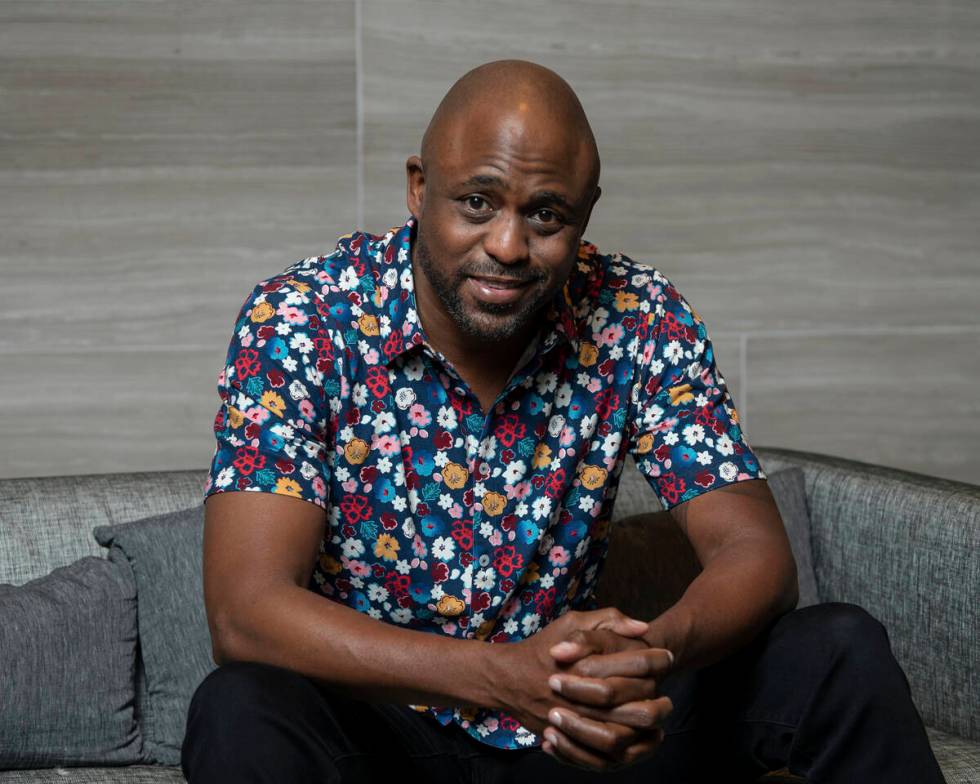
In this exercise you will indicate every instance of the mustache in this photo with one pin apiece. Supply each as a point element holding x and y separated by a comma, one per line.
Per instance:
<point>506,273</point>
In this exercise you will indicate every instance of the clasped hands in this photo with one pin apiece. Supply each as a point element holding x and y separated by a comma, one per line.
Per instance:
<point>589,684</point>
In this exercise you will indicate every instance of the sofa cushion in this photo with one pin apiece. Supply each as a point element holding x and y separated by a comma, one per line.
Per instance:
<point>164,553</point>
<point>650,562</point>
<point>68,661</point>
<point>127,774</point>
<point>788,488</point>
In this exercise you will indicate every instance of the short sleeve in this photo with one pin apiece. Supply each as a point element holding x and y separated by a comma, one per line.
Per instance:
<point>684,431</point>
<point>272,421</point>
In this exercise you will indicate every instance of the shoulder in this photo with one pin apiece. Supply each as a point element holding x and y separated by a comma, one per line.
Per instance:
<point>618,298</point>
<point>315,290</point>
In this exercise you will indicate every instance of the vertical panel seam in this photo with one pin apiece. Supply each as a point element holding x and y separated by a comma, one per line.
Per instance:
<point>359,109</point>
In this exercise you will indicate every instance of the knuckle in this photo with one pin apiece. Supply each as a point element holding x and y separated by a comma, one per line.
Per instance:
<point>647,718</point>
<point>621,741</point>
<point>578,636</point>
<point>607,696</point>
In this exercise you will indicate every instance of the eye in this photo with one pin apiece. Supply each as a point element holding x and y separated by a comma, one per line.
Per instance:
<point>476,203</point>
<point>548,219</point>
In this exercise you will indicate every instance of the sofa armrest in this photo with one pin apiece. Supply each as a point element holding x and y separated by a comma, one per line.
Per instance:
<point>903,546</point>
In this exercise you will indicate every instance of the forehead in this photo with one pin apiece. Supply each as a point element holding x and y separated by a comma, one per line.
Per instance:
<point>524,148</point>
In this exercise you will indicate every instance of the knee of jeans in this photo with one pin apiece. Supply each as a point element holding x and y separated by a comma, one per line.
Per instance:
<point>849,627</point>
<point>234,688</point>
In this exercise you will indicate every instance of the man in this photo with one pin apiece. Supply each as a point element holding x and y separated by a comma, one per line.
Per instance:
<point>419,444</point>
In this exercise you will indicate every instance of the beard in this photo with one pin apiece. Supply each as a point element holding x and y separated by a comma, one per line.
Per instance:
<point>487,321</point>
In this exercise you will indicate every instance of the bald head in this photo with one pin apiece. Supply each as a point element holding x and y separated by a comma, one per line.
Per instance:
<point>521,97</point>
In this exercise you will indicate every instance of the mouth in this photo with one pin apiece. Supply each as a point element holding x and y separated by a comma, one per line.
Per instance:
<point>498,290</point>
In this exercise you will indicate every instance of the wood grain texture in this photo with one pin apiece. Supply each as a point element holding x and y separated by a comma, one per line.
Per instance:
<point>795,170</point>
<point>792,165</point>
<point>157,159</point>
<point>907,401</point>
<point>78,412</point>
<point>798,171</point>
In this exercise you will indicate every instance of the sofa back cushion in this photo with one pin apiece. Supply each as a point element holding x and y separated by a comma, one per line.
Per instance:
<point>164,554</point>
<point>47,520</point>
<point>68,659</point>
<point>903,546</point>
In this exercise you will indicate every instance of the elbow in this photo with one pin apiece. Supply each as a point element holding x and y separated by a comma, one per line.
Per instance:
<point>790,595</point>
<point>221,639</point>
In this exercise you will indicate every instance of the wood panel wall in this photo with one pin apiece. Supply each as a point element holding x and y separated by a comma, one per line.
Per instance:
<point>808,175</point>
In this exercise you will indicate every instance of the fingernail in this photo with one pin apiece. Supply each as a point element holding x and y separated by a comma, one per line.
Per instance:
<point>555,717</point>
<point>637,622</point>
<point>555,683</point>
<point>671,657</point>
<point>563,647</point>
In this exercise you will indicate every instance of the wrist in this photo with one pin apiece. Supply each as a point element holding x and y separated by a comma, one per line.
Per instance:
<point>670,630</point>
<point>483,662</point>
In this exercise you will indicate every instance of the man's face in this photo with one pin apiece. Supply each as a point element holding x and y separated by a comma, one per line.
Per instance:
<point>501,211</point>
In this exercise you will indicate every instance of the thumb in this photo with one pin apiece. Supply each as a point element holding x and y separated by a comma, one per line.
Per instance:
<point>628,627</point>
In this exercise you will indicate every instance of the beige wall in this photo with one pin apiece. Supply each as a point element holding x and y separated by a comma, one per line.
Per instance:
<point>807,174</point>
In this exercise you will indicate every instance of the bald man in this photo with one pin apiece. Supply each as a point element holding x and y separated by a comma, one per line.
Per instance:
<point>419,443</point>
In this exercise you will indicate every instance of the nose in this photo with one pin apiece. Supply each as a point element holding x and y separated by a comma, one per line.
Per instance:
<point>506,239</point>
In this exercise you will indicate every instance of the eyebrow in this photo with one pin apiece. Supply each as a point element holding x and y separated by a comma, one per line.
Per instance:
<point>539,197</point>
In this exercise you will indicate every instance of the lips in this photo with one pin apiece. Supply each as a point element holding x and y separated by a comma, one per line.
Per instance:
<point>497,290</point>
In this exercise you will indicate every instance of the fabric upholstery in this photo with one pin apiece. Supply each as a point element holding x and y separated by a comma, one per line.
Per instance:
<point>67,658</point>
<point>164,553</point>
<point>958,757</point>
<point>788,488</point>
<point>129,774</point>
<point>904,546</point>
<point>47,520</point>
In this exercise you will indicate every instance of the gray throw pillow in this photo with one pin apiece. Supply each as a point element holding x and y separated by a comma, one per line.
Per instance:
<point>788,488</point>
<point>68,666</point>
<point>164,552</point>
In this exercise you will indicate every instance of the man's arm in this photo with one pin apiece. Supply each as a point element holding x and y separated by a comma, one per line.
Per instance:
<point>748,578</point>
<point>259,552</point>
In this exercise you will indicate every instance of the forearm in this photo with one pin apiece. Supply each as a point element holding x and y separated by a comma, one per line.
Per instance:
<point>738,593</point>
<point>351,652</point>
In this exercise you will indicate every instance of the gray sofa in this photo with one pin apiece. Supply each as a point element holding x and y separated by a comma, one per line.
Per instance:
<point>103,635</point>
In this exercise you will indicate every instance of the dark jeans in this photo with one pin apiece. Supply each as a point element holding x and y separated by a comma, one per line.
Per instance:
<point>818,691</point>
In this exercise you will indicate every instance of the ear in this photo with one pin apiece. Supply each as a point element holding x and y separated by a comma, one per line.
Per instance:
<point>416,185</point>
<point>595,198</point>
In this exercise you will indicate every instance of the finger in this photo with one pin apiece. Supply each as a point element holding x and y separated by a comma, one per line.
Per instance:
<point>606,739</point>
<point>625,748</point>
<point>619,622</point>
<point>643,663</point>
<point>582,642</point>
<point>568,752</point>
<point>632,755</point>
<point>602,692</point>
<point>643,715</point>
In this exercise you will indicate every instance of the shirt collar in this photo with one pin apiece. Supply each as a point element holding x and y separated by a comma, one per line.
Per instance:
<point>392,254</point>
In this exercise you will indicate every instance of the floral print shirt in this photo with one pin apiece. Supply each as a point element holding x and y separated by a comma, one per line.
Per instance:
<point>441,518</point>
